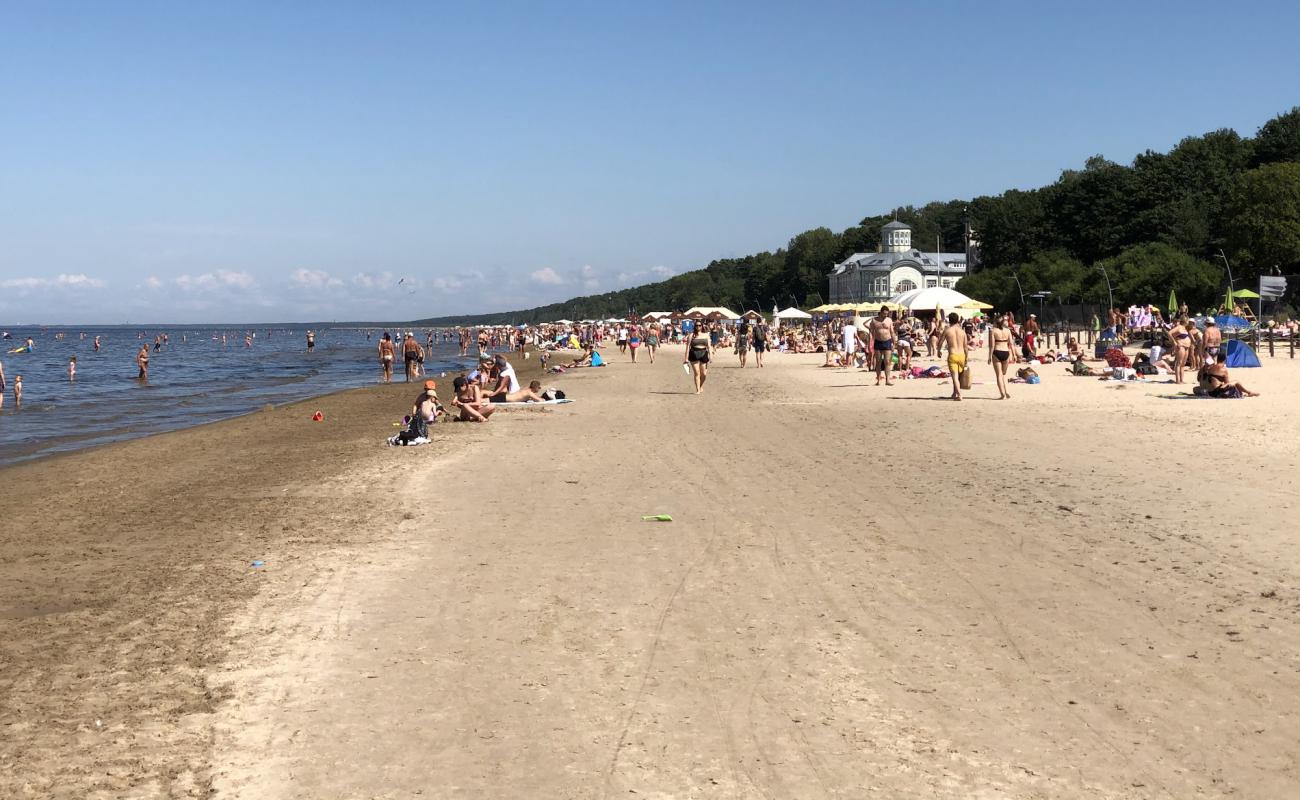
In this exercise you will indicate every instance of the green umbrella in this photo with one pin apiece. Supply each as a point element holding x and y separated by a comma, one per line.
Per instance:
<point>1227,302</point>
<point>1173,303</point>
<point>1245,293</point>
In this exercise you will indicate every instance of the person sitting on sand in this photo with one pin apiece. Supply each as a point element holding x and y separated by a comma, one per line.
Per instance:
<point>1213,380</point>
<point>426,405</point>
<point>583,360</point>
<point>469,399</point>
<point>505,380</point>
<point>1072,349</point>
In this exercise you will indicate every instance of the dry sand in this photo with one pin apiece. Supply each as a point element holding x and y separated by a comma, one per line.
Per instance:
<point>1085,591</point>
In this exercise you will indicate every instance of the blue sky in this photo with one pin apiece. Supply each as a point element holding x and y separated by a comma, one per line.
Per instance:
<point>239,162</point>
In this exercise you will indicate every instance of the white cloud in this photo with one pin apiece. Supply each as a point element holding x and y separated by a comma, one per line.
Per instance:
<point>447,283</point>
<point>590,277</point>
<point>641,276</point>
<point>241,280</point>
<point>547,276</point>
<point>62,281</point>
<point>152,282</point>
<point>80,280</point>
<point>23,283</point>
<point>374,280</point>
<point>314,279</point>
<point>215,280</point>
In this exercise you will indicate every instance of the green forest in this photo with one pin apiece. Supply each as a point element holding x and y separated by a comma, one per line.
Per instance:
<point>1167,221</point>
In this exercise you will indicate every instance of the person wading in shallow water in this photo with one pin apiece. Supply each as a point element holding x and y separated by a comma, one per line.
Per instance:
<point>386,355</point>
<point>142,361</point>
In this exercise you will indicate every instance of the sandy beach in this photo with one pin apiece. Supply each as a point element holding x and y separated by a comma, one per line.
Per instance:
<point>1090,590</point>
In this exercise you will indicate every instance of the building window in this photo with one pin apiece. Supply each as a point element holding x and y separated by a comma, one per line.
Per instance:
<point>930,283</point>
<point>904,286</point>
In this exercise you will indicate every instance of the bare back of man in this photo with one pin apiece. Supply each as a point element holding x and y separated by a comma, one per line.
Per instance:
<point>954,339</point>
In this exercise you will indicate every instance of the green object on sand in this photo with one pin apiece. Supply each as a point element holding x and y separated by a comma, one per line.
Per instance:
<point>657,518</point>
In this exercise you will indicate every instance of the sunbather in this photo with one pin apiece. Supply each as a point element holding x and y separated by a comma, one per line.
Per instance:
<point>533,394</point>
<point>1213,380</point>
<point>469,399</point>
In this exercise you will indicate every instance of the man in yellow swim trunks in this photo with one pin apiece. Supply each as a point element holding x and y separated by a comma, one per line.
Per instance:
<point>954,338</point>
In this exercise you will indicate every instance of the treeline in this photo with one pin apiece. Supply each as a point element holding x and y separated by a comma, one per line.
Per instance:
<point>1164,222</point>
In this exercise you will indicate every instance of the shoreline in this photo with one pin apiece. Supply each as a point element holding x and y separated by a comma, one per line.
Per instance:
<point>124,566</point>
<point>18,454</point>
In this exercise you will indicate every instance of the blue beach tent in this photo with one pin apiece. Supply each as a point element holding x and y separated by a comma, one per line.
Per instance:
<point>1240,355</point>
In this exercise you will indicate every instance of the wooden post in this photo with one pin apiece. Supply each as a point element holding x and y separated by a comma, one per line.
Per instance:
<point>1270,344</point>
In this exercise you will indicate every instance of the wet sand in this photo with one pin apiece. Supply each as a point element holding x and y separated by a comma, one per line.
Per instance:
<point>1085,591</point>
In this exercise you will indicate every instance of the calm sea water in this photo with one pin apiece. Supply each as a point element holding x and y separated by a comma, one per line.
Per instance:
<point>194,378</point>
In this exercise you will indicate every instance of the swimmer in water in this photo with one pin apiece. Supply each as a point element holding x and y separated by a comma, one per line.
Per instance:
<point>142,361</point>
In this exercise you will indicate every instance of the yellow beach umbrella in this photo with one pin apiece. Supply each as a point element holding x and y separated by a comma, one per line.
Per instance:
<point>975,305</point>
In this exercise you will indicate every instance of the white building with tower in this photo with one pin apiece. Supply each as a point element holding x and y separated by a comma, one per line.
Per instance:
<point>896,268</point>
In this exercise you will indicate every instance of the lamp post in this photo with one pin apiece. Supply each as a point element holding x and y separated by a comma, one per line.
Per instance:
<point>1021,289</point>
<point>1227,264</point>
<point>1110,295</point>
<point>1041,295</point>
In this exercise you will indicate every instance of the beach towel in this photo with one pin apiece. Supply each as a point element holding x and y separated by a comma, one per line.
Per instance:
<point>523,404</point>
<point>1190,396</point>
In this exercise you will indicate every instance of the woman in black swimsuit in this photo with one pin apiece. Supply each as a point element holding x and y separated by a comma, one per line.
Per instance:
<point>698,349</point>
<point>1000,353</point>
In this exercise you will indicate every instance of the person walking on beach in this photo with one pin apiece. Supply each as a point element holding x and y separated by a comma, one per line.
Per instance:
<point>142,361</point>
<point>698,349</point>
<point>18,391</point>
<point>848,342</point>
<point>652,341</point>
<point>633,340</point>
<point>386,355</point>
<point>882,342</point>
<point>742,342</point>
<point>1182,342</point>
<point>954,338</point>
<point>759,337</point>
<point>1000,353</point>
